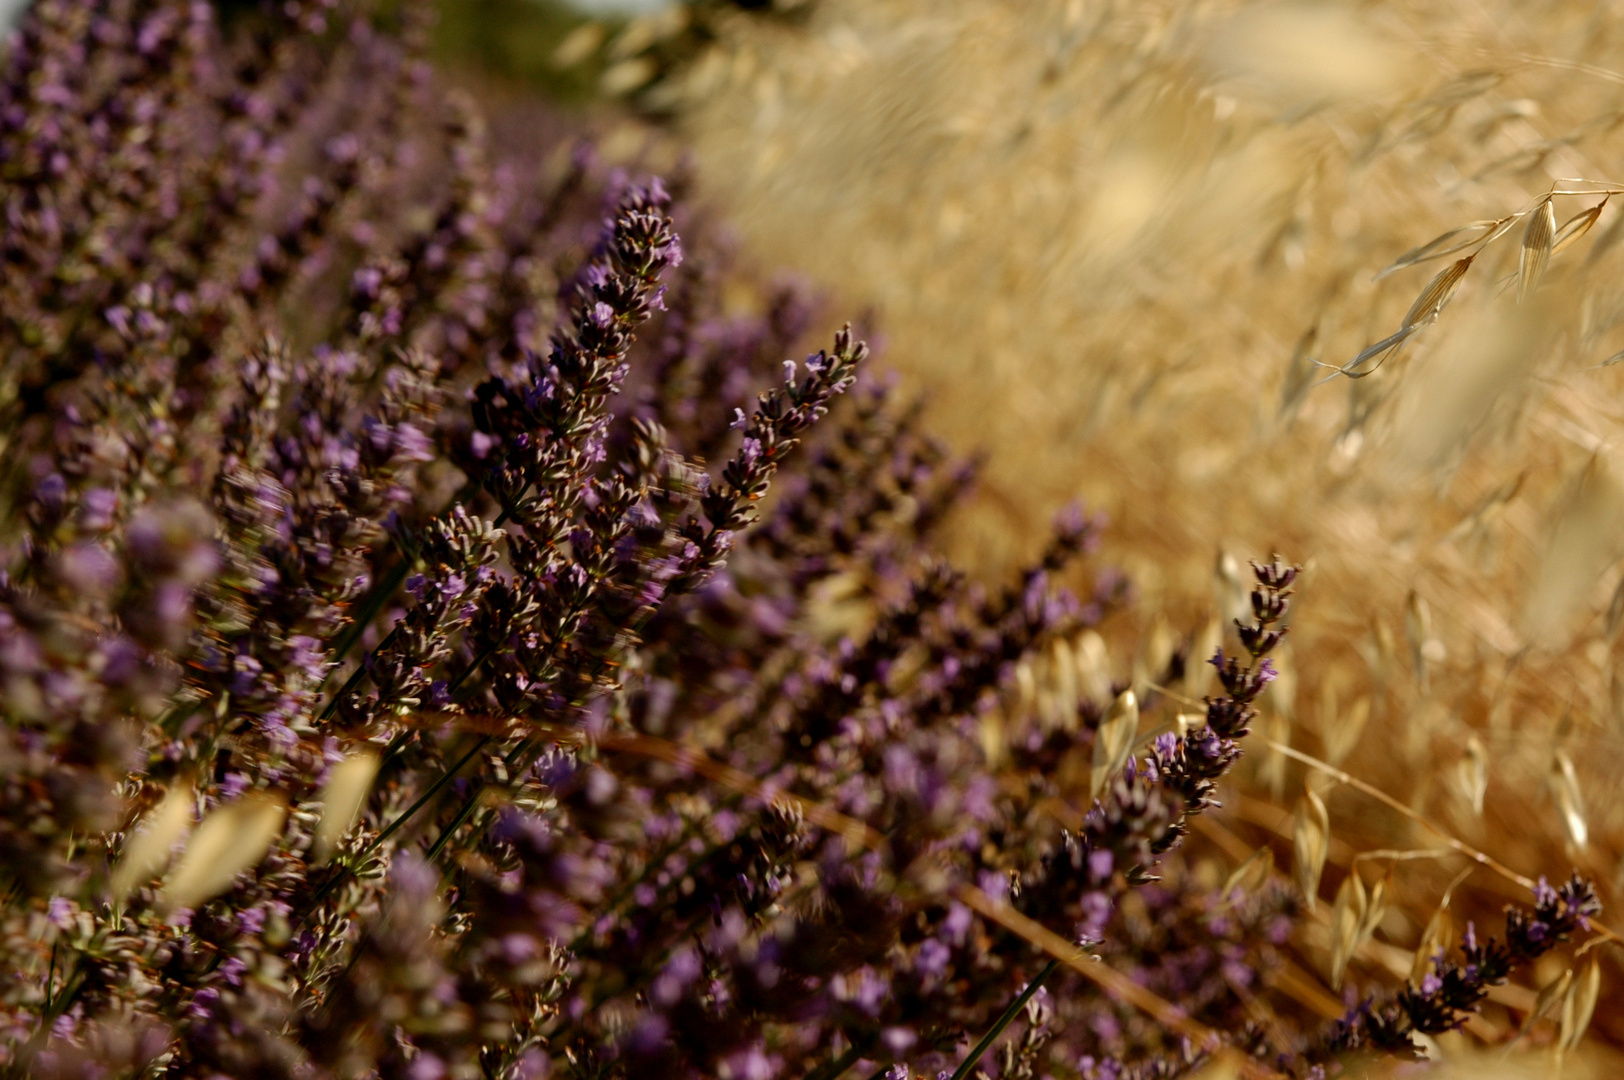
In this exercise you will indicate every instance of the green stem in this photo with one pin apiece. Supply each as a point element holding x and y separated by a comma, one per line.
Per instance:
<point>470,805</point>
<point>50,978</point>
<point>422,800</point>
<point>380,594</point>
<point>1004,1021</point>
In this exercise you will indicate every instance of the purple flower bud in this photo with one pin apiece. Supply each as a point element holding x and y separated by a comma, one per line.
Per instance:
<point>60,911</point>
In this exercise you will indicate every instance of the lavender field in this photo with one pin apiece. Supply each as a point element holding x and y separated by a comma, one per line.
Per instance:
<point>790,541</point>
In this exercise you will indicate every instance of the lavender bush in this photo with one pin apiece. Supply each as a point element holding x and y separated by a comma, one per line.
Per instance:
<point>438,641</point>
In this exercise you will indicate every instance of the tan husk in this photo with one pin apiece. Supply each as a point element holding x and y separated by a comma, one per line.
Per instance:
<point>230,839</point>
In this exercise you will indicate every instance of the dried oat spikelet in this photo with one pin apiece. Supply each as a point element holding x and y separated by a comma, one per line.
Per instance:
<point>348,784</point>
<point>1580,1005</point>
<point>1575,227</point>
<point>1026,687</point>
<point>1251,874</point>
<point>1067,691</point>
<point>148,850</point>
<point>1424,648</point>
<point>1093,664</point>
<point>231,839</point>
<point>992,732</point>
<point>1231,591</point>
<point>1376,906</point>
<point>1436,296</point>
<point>1347,924</point>
<point>1155,653</point>
<point>1310,840</point>
<point>1569,800</point>
<point>1551,996</point>
<point>1198,676</point>
<point>1275,726</point>
<point>1436,940</point>
<point>1536,248</point>
<point>1472,773</point>
<point>1343,734</point>
<point>1112,741</point>
<point>1448,244</point>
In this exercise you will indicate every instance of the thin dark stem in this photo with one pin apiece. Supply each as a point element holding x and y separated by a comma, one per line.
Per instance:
<point>50,978</point>
<point>422,800</point>
<point>471,804</point>
<point>434,789</point>
<point>463,815</point>
<point>374,602</point>
<point>1004,1021</point>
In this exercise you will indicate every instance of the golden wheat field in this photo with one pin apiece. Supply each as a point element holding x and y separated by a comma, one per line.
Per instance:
<point>1340,281</point>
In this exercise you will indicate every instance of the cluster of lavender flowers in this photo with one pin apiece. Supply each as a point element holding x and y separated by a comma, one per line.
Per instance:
<point>420,644</point>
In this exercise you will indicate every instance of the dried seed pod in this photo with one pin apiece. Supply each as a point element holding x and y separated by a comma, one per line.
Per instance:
<point>1250,875</point>
<point>1026,687</point>
<point>1450,242</point>
<point>1344,734</point>
<point>1155,653</point>
<point>1093,666</point>
<point>1418,628</point>
<point>1551,997</point>
<point>1436,940</point>
<point>1310,840</point>
<point>1436,296</point>
<point>1113,741</point>
<point>1231,590</point>
<point>1271,768</point>
<point>1576,226</point>
<point>1580,1005</point>
<point>348,784</point>
<point>1380,651</point>
<point>1569,800</point>
<point>148,850</point>
<point>1067,689</point>
<point>231,839</point>
<point>1376,907</point>
<point>1536,248</point>
<point>1198,674</point>
<point>1049,710</point>
<point>578,45</point>
<point>1472,773</point>
<point>1347,920</point>
<point>992,731</point>
<point>1372,357</point>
